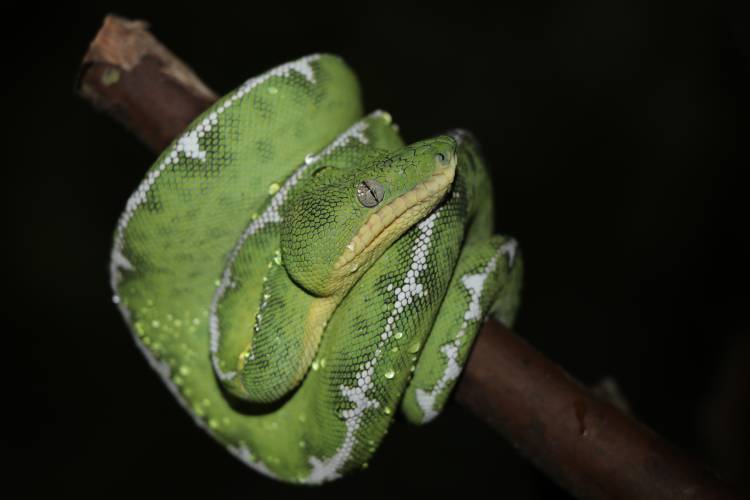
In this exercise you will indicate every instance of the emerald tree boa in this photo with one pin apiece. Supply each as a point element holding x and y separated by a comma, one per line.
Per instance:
<point>296,273</point>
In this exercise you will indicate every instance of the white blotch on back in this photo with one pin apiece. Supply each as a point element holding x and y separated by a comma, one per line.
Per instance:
<point>474,284</point>
<point>271,215</point>
<point>509,249</point>
<point>189,146</point>
<point>242,452</point>
<point>329,469</point>
<point>117,263</point>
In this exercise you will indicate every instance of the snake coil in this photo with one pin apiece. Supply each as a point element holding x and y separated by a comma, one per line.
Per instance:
<point>295,272</point>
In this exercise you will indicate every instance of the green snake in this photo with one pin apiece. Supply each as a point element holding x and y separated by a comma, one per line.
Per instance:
<point>296,273</point>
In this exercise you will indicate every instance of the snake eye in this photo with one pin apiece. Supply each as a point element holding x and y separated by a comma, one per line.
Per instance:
<point>440,157</point>
<point>370,193</point>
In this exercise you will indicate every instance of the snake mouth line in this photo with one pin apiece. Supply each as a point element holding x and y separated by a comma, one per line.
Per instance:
<point>399,210</point>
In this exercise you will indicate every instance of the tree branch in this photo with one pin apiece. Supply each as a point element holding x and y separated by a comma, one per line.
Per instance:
<point>127,73</point>
<point>583,442</point>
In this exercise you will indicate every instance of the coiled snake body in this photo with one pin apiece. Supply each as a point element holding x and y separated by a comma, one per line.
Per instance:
<point>295,273</point>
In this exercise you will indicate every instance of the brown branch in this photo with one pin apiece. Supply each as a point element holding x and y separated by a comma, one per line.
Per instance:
<point>129,74</point>
<point>586,444</point>
<point>583,442</point>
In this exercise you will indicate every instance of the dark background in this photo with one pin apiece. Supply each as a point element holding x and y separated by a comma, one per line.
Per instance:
<point>616,133</point>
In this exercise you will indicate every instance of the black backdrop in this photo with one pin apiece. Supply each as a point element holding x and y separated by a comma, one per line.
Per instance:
<point>616,136</point>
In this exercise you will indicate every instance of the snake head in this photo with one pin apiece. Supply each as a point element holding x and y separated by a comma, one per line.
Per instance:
<point>344,217</point>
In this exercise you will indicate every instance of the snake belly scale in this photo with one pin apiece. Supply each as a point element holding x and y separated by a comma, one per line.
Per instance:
<point>296,273</point>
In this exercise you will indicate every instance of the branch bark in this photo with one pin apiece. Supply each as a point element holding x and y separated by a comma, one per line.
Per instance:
<point>130,75</point>
<point>583,442</point>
